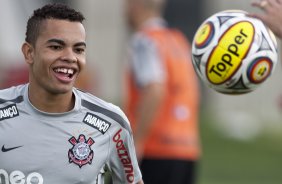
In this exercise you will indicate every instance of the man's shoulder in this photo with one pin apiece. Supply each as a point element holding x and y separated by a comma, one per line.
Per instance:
<point>13,94</point>
<point>106,109</point>
<point>90,101</point>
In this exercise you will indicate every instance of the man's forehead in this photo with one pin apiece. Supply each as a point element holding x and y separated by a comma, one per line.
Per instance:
<point>62,30</point>
<point>57,24</point>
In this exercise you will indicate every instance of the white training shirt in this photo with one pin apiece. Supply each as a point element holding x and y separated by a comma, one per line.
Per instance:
<point>64,148</point>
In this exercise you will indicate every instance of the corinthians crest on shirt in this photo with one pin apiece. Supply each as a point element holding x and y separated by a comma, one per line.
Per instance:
<point>81,152</point>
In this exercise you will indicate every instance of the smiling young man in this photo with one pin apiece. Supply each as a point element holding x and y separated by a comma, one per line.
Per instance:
<point>50,132</point>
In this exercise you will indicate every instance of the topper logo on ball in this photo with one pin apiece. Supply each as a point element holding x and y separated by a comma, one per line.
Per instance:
<point>227,56</point>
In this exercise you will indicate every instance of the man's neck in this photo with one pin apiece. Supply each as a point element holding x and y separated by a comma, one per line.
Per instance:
<point>51,103</point>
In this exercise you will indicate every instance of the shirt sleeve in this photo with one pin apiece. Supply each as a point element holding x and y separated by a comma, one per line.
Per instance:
<point>123,162</point>
<point>145,60</point>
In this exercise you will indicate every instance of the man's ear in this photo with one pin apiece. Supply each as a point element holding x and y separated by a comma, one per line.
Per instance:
<point>28,52</point>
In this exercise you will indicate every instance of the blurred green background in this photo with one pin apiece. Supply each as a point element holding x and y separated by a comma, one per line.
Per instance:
<point>230,161</point>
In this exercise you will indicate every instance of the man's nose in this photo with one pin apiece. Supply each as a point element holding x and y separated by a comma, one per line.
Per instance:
<point>69,55</point>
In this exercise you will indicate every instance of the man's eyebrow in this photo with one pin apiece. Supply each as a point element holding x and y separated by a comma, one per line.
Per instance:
<point>80,44</point>
<point>61,42</point>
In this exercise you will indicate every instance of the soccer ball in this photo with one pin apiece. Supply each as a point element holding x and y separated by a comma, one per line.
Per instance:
<point>234,53</point>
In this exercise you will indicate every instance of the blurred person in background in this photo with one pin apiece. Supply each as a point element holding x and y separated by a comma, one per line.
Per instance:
<point>272,17</point>
<point>162,98</point>
<point>51,132</point>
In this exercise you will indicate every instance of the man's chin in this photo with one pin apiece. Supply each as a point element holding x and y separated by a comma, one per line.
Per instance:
<point>61,90</point>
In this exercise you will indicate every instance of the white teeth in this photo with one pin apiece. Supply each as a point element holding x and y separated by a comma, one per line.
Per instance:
<point>64,70</point>
<point>70,71</point>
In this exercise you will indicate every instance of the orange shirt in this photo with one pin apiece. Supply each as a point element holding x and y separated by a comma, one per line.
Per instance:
<point>174,131</point>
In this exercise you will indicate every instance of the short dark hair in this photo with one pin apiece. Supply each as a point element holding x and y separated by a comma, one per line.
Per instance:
<point>49,11</point>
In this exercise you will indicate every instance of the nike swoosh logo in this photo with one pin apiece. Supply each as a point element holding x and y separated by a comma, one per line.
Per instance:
<point>9,149</point>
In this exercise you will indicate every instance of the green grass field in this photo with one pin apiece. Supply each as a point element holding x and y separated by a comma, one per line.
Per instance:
<point>229,161</point>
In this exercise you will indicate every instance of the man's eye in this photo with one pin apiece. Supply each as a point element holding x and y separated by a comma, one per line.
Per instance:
<point>55,47</point>
<point>80,50</point>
